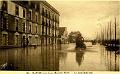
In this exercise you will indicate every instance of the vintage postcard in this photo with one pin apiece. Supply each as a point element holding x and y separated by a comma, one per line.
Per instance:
<point>59,36</point>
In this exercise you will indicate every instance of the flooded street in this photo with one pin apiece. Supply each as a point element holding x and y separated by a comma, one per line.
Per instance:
<point>89,60</point>
<point>60,35</point>
<point>60,58</point>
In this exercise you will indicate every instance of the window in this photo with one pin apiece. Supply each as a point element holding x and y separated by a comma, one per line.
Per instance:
<point>4,39</point>
<point>46,13</point>
<point>42,21</point>
<point>55,18</point>
<point>49,14</point>
<point>46,30</point>
<point>16,40</point>
<point>30,27</point>
<point>49,30</point>
<point>30,15</point>
<point>49,23</point>
<point>55,32</point>
<point>32,5</point>
<point>24,13</point>
<point>36,18</point>
<point>30,40</point>
<point>42,11</point>
<point>24,27</point>
<point>36,29</point>
<point>46,23</point>
<point>4,6</point>
<point>35,6</point>
<point>16,24</point>
<point>4,22</point>
<point>49,40</point>
<point>36,39</point>
<point>42,30</point>
<point>16,10</point>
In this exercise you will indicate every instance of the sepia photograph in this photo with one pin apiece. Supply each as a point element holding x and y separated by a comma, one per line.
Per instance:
<point>59,35</point>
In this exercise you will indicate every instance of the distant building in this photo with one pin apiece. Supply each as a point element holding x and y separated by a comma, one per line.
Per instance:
<point>63,33</point>
<point>28,23</point>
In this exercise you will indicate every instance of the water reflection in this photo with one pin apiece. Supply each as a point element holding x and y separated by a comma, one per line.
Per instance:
<point>50,59</point>
<point>79,57</point>
<point>111,58</point>
<point>55,58</point>
<point>40,58</point>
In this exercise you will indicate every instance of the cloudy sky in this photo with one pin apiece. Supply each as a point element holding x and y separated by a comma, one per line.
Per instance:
<point>83,16</point>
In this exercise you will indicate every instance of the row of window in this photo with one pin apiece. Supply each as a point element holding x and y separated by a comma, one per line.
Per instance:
<point>24,27</point>
<point>49,31</point>
<point>4,22</point>
<point>30,12</point>
<point>49,23</point>
<point>47,14</point>
<point>18,40</point>
<point>5,8</point>
<point>17,10</point>
<point>32,27</point>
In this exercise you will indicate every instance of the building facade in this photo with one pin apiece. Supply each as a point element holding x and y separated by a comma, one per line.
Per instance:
<point>28,23</point>
<point>63,33</point>
<point>49,23</point>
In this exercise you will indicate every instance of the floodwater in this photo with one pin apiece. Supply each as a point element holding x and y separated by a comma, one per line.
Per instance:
<point>59,58</point>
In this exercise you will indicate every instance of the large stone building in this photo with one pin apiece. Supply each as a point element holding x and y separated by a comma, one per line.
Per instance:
<point>28,23</point>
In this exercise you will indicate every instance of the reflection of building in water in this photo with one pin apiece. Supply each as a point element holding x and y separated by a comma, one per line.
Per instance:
<point>50,59</point>
<point>79,57</point>
<point>28,23</point>
<point>39,59</point>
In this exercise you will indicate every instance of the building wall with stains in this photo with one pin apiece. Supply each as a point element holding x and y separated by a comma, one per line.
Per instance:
<point>26,20</point>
